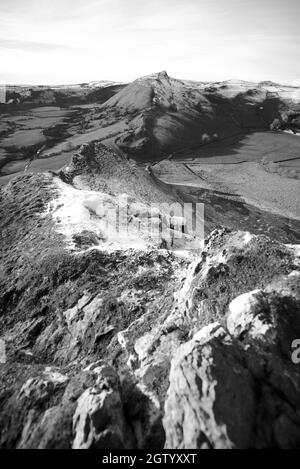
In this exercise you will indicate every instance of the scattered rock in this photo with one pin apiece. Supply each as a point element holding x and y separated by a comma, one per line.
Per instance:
<point>99,421</point>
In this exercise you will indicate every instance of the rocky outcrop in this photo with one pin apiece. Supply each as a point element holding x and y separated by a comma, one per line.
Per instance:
<point>225,381</point>
<point>237,387</point>
<point>99,420</point>
<point>210,401</point>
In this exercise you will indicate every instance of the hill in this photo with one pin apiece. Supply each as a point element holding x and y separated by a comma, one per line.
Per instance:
<point>167,115</point>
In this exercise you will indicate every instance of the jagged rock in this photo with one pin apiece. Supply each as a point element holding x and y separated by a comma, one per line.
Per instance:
<point>211,399</point>
<point>88,414</point>
<point>38,390</point>
<point>257,318</point>
<point>99,421</point>
<point>248,315</point>
<point>51,430</point>
<point>86,239</point>
<point>270,318</point>
<point>239,390</point>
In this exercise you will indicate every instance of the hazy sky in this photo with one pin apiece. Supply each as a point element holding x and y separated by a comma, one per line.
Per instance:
<point>71,41</point>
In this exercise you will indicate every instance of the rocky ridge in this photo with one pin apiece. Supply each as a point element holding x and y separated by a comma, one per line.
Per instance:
<point>140,346</point>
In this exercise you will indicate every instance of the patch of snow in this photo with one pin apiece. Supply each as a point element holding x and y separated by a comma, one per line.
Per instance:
<point>117,222</point>
<point>248,237</point>
<point>76,211</point>
<point>54,376</point>
<point>143,344</point>
<point>185,254</point>
<point>295,248</point>
<point>211,330</point>
<point>104,84</point>
<point>290,132</point>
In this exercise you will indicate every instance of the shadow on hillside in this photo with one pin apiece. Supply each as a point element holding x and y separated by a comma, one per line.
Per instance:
<point>250,146</point>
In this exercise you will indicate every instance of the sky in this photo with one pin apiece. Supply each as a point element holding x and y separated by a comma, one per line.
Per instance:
<point>76,41</point>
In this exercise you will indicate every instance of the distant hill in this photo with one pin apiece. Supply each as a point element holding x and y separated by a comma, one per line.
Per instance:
<point>62,95</point>
<point>166,114</point>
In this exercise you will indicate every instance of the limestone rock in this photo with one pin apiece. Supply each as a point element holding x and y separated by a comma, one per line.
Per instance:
<point>238,388</point>
<point>211,399</point>
<point>248,314</point>
<point>99,421</point>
